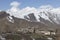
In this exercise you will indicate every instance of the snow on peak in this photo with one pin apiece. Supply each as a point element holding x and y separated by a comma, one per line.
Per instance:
<point>10,19</point>
<point>47,12</point>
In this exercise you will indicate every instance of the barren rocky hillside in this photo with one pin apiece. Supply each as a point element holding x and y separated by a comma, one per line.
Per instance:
<point>10,23</point>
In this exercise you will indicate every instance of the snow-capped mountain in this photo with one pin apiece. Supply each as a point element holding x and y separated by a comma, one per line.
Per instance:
<point>32,14</point>
<point>11,24</point>
<point>49,16</point>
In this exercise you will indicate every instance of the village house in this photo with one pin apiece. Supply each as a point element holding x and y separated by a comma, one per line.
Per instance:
<point>45,32</point>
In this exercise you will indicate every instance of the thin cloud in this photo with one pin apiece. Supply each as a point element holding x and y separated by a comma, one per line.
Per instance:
<point>15,4</point>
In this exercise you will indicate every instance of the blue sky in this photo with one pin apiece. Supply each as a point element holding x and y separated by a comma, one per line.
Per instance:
<point>5,4</point>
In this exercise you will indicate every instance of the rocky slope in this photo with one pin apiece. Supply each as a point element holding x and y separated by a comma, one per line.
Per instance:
<point>10,23</point>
